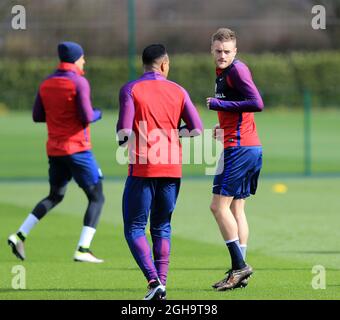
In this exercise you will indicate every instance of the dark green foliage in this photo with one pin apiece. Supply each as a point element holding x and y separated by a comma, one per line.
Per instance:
<point>280,78</point>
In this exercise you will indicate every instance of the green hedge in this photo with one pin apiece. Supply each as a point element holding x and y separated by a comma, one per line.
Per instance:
<point>280,78</point>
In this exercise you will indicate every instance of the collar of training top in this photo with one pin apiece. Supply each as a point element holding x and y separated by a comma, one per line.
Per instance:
<point>220,71</point>
<point>66,66</point>
<point>152,75</point>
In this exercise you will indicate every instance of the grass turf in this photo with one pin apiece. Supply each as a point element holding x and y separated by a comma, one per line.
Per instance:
<point>290,233</point>
<point>22,144</point>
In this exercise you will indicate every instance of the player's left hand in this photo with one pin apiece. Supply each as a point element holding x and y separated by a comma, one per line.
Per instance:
<point>97,114</point>
<point>218,133</point>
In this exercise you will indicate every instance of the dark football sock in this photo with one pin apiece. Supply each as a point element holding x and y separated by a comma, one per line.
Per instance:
<point>235,254</point>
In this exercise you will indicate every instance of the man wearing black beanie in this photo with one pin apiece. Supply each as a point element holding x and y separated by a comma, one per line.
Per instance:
<point>63,102</point>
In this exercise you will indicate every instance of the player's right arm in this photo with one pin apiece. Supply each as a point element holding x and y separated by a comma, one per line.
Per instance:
<point>38,110</point>
<point>126,114</point>
<point>193,123</point>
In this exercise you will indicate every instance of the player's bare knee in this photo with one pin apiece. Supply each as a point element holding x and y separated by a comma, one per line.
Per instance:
<point>215,209</point>
<point>237,210</point>
<point>239,215</point>
<point>236,213</point>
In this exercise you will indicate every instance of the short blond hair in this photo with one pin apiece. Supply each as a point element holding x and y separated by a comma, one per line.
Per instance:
<point>224,34</point>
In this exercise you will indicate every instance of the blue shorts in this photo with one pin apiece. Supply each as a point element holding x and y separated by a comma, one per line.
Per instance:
<point>241,170</point>
<point>143,196</point>
<point>81,166</point>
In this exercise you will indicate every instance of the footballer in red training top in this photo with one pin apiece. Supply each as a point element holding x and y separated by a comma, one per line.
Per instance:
<point>64,103</point>
<point>236,99</point>
<point>151,110</point>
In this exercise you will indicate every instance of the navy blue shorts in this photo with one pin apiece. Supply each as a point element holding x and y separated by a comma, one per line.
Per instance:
<point>81,166</point>
<point>149,196</point>
<point>240,173</point>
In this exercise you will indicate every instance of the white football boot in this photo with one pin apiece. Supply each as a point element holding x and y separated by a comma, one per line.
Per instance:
<point>85,255</point>
<point>156,291</point>
<point>17,246</point>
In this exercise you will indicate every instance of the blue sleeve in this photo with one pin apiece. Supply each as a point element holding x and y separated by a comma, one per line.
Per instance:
<point>38,110</point>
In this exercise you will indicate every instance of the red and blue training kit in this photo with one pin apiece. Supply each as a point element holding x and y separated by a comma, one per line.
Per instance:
<point>236,100</point>
<point>149,104</point>
<point>64,103</point>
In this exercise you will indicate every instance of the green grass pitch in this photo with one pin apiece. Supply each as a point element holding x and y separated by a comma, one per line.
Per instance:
<point>22,143</point>
<point>290,232</point>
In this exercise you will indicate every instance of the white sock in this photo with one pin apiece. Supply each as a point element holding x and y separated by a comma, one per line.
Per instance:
<point>232,240</point>
<point>28,224</point>
<point>86,237</point>
<point>244,250</point>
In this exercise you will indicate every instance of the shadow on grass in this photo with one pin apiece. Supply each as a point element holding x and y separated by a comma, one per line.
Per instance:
<point>8,290</point>
<point>333,285</point>
<point>223,269</point>
<point>292,269</point>
<point>267,268</point>
<point>214,269</point>
<point>171,269</point>
<point>115,290</point>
